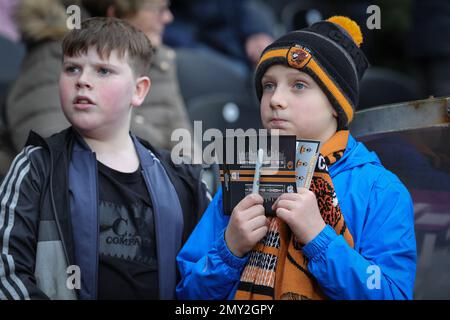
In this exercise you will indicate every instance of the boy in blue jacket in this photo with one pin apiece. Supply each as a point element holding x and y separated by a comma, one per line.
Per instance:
<point>360,247</point>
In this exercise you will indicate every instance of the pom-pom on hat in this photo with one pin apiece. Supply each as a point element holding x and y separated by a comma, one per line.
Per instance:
<point>329,52</point>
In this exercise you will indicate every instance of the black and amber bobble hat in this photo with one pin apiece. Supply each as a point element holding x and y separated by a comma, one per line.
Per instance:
<point>329,51</point>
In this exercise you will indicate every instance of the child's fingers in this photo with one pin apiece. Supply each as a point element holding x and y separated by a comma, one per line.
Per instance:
<point>286,204</point>
<point>285,196</point>
<point>283,214</point>
<point>302,190</point>
<point>259,233</point>
<point>257,222</point>
<point>254,211</point>
<point>249,201</point>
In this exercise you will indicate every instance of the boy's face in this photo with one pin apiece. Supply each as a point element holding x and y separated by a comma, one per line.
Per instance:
<point>97,94</point>
<point>295,104</point>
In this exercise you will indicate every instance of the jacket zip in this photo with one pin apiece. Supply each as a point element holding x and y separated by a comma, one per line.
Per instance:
<point>58,226</point>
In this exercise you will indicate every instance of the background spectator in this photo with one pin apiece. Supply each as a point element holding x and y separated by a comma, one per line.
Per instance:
<point>8,28</point>
<point>33,102</point>
<point>233,30</point>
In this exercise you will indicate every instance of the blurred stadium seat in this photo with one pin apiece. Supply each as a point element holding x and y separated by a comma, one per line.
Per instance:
<point>199,74</point>
<point>224,111</point>
<point>380,86</point>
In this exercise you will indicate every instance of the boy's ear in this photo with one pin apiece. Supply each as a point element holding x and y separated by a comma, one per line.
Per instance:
<point>335,113</point>
<point>142,88</point>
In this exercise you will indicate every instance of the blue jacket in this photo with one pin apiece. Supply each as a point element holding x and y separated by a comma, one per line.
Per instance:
<point>378,211</point>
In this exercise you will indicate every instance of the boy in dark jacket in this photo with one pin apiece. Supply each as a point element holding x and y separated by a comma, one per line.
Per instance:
<point>94,212</point>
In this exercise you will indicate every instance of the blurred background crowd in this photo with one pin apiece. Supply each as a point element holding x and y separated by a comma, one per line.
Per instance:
<point>206,52</point>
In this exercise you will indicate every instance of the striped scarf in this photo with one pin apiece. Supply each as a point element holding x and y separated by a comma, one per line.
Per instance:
<point>277,268</point>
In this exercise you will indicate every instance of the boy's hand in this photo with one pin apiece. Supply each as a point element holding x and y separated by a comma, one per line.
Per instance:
<point>248,224</point>
<point>301,213</point>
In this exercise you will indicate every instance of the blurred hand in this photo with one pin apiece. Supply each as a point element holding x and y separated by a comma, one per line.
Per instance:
<point>255,44</point>
<point>248,224</point>
<point>301,213</point>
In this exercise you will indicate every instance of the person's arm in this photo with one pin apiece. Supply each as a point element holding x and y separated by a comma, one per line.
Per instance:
<point>208,269</point>
<point>384,264</point>
<point>213,258</point>
<point>20,198</point>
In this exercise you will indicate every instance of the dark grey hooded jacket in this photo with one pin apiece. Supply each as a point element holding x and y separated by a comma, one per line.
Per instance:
<point>49,222</point>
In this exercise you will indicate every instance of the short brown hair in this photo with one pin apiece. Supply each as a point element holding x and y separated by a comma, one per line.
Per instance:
<point>108,34</point>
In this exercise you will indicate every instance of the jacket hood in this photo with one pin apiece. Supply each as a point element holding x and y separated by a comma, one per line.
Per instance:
<point>355,155</point>
<point>43,20</point>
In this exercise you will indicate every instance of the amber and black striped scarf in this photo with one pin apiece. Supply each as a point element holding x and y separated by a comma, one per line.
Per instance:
<point>277,268</point>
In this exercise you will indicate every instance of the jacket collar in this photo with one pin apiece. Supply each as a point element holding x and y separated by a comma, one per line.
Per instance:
<point>142,152</point>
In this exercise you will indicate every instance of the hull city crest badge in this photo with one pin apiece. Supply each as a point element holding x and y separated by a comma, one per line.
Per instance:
<point>298,57</point>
